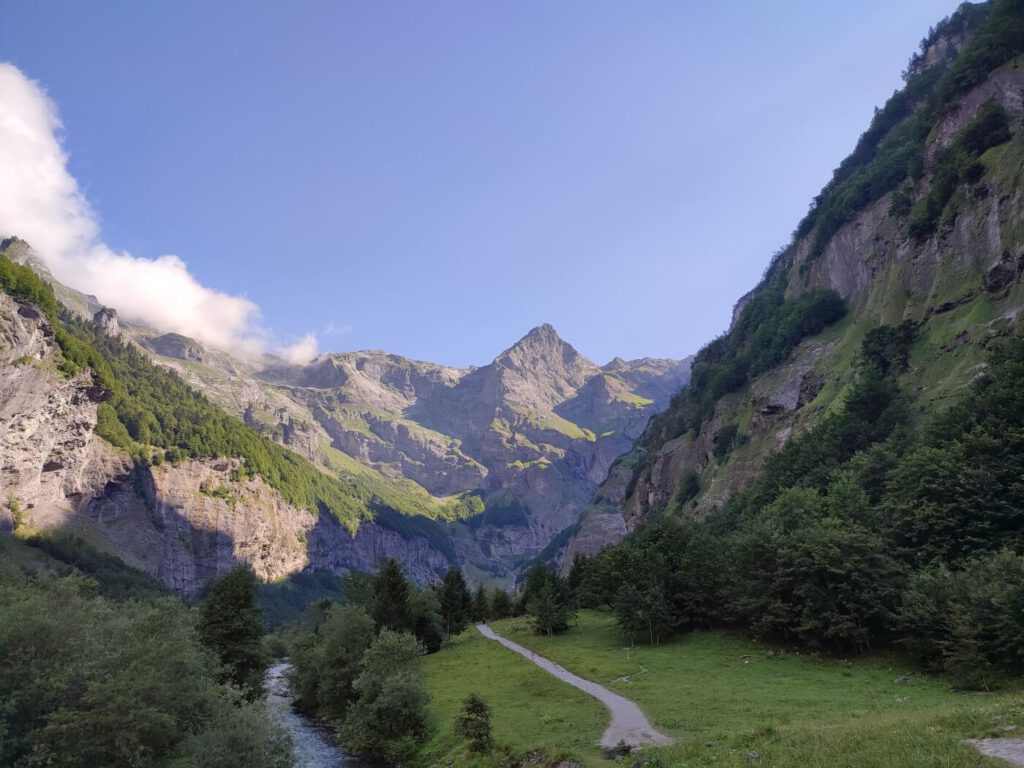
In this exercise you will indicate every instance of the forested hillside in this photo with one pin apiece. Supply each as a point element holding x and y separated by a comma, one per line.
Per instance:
<point>844,469</point>
<point>921,224</point>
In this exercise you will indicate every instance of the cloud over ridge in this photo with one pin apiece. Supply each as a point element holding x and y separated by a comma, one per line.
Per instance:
<point>42,203</point>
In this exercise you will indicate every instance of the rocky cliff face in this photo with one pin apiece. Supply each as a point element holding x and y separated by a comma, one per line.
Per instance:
<point>46,420</point>
<point>539,426</point>
<point>962,284</point>
<point>184,523</point>
<point>535,430</point>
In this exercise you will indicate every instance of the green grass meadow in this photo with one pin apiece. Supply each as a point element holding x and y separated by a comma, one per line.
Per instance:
<point>530,708</point>
<point>727,701</point>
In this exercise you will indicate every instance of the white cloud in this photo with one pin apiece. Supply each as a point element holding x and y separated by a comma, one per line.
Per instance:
<point>302,351</point>
<point>41,202</point>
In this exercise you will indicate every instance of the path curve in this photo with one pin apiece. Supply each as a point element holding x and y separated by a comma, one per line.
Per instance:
<point>628,723</point>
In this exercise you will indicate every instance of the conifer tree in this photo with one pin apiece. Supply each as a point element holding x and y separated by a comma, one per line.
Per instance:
<point>391,598</point>
<point>231,626</point>
<point>455,602</point>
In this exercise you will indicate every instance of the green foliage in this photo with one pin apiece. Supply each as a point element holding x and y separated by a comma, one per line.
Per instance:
<point>501,604</point>
<point>858,532</point>
<point>88,681</point>
<point>474,724</point>
<point>687,488</point>
<point>957,492</point>
<point>874,411</point>
<point>25,285</point>
<point>358,589</point>
<point>113,578</point>
<point>727,438</point>
<point>672,573</point>
<point>231,626</point>
<point>481,607</point>
<point>455,602</point>
<point>767,331</point>
<point>110,428</point>
<point>958,164</point>
<point>17,514</point>
<point>546,597</point>
<point>327,661</point>
<point>892,149</point>
<point>811,573</point>
<point>391,598</point>
<point>425,619</point>
<point>643,614</point>
<point>370,684</point>
<point>968,622</point>
<point>388,720</point>
<point>236,737</point>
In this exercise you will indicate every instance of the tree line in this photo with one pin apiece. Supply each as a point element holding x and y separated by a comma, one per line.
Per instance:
<point>356,662</point>
<point>100,667</point>
<point>863,532</point>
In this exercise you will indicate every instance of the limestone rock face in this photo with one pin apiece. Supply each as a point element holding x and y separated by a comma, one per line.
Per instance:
<point>963,285</point>
<point>185,523</point>
<point>106,321</point>
<point>176,345</point>
<point>539,425</point>
<point>190,523</point>
<point>46,420</point>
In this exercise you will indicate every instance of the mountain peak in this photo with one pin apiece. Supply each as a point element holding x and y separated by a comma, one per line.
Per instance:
<point>542,342</point>
<point>543,331</point>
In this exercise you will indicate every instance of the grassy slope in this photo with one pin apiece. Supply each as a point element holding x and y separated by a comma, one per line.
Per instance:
<point>793,710</point>
<point>530,707</point>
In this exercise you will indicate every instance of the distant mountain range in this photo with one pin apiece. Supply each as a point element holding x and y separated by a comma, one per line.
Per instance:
<point>503,457</point>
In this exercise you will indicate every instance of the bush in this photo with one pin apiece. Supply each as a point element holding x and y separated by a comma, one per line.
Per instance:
<point>327,662</point>
<point>88,681</point>
<point>968,622</point>
<point>389,718</point>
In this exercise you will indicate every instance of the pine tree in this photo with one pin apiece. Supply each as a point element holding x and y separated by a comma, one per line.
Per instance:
<point>501,604</point>
<point>231,626</point>
<point>474,724</point>
<point>455,602</point>
<point>391,598</point>
<point>549,612</point>
<point>481,605</point>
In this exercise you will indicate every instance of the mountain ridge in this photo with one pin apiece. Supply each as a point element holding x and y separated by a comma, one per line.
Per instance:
<point>426,441</point>
<point>922,224</point>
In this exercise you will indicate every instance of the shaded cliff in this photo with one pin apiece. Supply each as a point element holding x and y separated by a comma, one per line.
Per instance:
<point>183,522</point>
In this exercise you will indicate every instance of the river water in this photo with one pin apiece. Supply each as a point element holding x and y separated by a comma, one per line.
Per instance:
<point>314,746</point>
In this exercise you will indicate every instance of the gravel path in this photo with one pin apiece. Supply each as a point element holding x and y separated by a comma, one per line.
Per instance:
<point>628,722</point>
<point>1010,750</point>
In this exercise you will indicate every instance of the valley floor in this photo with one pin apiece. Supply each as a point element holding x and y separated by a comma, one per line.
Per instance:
<point>728,701</point>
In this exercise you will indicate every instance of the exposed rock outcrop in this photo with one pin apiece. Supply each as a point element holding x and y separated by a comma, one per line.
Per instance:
<point>962,284</point>
<point>183,523</point>
<point>176,345</point>
<point>105,320</point>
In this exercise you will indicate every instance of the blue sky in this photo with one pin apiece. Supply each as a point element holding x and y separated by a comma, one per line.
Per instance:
<point>436,178</point>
